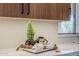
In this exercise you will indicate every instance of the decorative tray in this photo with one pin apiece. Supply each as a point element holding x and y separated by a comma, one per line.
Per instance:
<point>37,51</point>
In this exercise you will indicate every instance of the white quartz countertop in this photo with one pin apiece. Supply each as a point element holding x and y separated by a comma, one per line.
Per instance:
<point>63,48</point>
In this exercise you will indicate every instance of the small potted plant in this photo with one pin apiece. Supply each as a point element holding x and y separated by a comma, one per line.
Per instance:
<point>30,34</point>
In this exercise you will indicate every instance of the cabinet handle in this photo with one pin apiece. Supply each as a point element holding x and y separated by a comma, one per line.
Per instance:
<point>22,8</point>
<point>28,6</point>
<point>69,8</point>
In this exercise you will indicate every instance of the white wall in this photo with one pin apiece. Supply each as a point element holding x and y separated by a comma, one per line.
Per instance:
<point>13,31</point>
<point>77,17</point>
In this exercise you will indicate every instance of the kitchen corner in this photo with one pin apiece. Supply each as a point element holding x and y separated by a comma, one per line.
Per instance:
<point>45,22</point>
<point>65,44</point>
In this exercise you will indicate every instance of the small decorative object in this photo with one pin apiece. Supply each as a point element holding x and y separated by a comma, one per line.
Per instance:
<point>29,46</point>
<point>21,46</point>
<point>24,46</point>
<point>30,34</point>
<point>42,40</point>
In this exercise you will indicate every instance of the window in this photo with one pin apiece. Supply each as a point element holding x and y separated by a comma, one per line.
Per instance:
<point>70,25</point>
<point>66,26</point>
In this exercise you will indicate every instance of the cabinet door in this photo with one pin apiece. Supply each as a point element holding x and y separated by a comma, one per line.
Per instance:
<point>11,9</point>
<point>1,9</point>
<point>55,11</point>
<point>63,11</point>
<point>66,11</point>
<point>14,9</point>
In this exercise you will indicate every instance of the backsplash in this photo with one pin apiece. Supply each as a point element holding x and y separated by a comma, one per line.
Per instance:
<point>13,32</point>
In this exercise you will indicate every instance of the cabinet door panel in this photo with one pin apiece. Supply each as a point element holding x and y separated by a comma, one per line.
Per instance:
<point>66,10</point>
<point>52,11</point>
<point>1,9</point>
<point>9,9</point>
<point>59,11</point>
<point>39,10</point>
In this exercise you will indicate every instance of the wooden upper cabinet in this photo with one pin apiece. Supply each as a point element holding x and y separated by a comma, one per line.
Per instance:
<point>54,11</point>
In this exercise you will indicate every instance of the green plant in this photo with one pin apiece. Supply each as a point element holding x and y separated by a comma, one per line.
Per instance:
<point>30,31</point>
<point>30,34</point>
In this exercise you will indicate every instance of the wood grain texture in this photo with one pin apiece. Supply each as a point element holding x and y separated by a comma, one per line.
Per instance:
<point>1,9</point>
<point>66,11</point>
<point>54,11</point>
<point>9,9</point>
<point>39,10</point>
